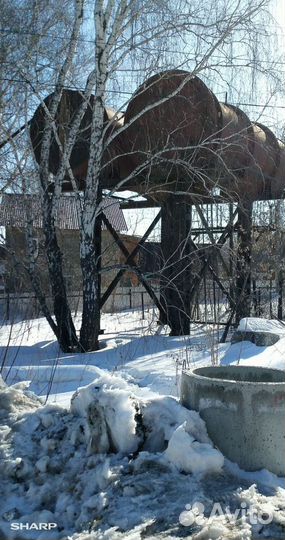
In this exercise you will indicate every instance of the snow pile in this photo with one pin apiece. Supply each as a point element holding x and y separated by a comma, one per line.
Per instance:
<point>116,418</point>
<point>222,528</point>
<point>191,456</point>
<point>110,410</point>
<point>162,415</point>
<point>247,353</point>
<point>45,470</point>
<point>268,508</point>
<point>15,400</point>
<point>110,468</point>
<point>53,462</point>
<point>249,518</point>
<point>256,324</point>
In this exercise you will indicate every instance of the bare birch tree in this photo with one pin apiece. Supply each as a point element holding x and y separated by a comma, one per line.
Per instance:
<point>137,38</point>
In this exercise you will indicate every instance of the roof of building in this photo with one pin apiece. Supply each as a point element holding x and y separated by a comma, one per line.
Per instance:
<point>13,212</point>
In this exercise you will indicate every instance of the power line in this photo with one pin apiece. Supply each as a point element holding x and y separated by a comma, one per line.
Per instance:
<point>123,92</point>
<point>8,139</point>
<point>148,49</point>
<point>53,85</point>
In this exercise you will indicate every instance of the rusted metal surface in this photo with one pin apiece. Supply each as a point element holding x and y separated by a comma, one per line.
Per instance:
<point>235,150</point>
<point>116,163</point>
<point>170,120</point>
<point>265,162</point>
<point>251,159</point>
<point>278,183</point>
<point>69,106</point>
<point>236,146</point>
<point>175,136</point>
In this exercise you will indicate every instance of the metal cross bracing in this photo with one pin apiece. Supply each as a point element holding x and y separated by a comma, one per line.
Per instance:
<point>130,263</point>
<point>205,260</point>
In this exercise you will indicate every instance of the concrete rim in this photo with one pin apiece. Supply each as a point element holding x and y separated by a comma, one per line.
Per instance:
<point>256,383</point>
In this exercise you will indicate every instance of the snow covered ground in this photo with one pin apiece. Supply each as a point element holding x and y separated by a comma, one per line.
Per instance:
<point>108,453</point>
<point>248,353</point>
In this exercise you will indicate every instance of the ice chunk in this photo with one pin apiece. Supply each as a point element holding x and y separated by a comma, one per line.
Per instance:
<point>190,456</point>
<point>110,413</point>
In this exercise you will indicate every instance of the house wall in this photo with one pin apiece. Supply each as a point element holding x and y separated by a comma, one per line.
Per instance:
<point>17,280</point>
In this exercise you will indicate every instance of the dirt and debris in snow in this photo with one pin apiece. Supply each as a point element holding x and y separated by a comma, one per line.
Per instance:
<point>155,460</point>
<point>111,468</point>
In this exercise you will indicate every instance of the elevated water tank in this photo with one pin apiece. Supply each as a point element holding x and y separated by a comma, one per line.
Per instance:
<point>278,182</point>
<point>69,105</point>
<point>171,120</point>
<point>234,151</point>
<point>175,136</point>
<point>264,165</point>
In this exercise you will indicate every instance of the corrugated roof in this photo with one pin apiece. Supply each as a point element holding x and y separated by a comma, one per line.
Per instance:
<point>13,212</point>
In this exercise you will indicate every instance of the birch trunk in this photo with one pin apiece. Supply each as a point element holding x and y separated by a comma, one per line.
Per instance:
<point>91,299</point>
<point>90,254</point>
<point>66,332</point>
<point>91,265</point>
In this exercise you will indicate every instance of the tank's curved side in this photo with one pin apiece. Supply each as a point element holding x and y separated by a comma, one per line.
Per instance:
<point>264,164</point>
<point>116,162</point>
<point>236,146</point>
<point>170,123</point>
<point>69,104</point>
<point>235,151</point>
<point>278,182</point>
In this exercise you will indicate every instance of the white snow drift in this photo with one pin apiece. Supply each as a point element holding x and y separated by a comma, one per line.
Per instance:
<point>125,461</point>
<point>116,418</point>
<point>54,460</point>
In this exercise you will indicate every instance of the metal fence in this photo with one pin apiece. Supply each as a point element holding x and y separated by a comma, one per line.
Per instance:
<point>25,305</point>
<point>210,304</point>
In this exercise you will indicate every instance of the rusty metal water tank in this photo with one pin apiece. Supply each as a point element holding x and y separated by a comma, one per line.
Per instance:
<point>175,136</point>
<point>235,145</point>
<point>69,105</point>
<point>265,162</point>
<point>170,121</point>
<point>252,159</point>
<point>234,151</point>
<point>278,183</point>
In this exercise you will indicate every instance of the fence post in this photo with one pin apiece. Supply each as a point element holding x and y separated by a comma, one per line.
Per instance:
<point>270,298</point>
<point>142,297</point>
<point>8,307</point>
<point>254,297</point>
<point>214,301</point>
<point>280,295</point>
<point>205,297</point>
<point>130,297</point>
<point>259,302</point>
